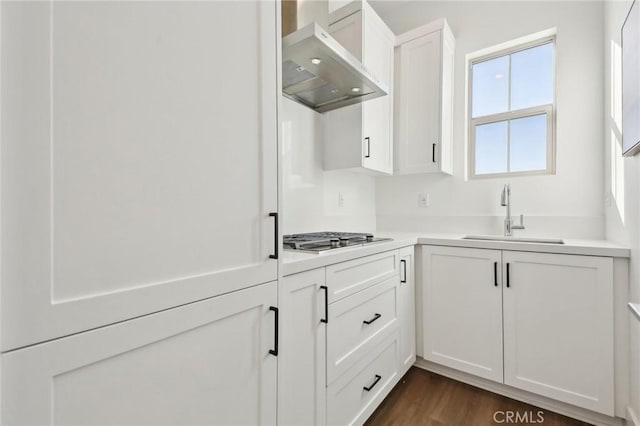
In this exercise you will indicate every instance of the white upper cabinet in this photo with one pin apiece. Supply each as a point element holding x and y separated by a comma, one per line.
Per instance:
<point>360,136</point>
<point>424,100</point>
<point>135,176</point>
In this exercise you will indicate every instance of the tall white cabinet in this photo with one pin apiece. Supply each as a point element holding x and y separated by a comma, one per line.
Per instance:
<point>423,122</point>
<point>360,137</point>
<point>138,212</point>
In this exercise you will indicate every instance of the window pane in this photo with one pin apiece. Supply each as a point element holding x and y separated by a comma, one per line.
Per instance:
<point>490,87</point>
<point>532,77</point>
<point>491,148</point>
<point>528,139</point>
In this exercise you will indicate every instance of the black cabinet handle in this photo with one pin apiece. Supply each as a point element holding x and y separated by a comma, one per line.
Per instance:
<point>326,304</point>
<point>375,317</point>
<point>495,274</point>
<point>275,236</point>
<point>274,351</point>
<point>368,139</point>
<point>433,153</point>
<point>372,385</point>
<point>404,267</point>
<point>508,283</point>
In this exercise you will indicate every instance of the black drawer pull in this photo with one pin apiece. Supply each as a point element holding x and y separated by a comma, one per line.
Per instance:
<point>275,237</point>
<point>433,153</point>
<point>404,267</point>
<point>274,351</point>
<point>375,317</point>
<point>508,283</point>
<point>375,382</point>
<point>495,274</point>
<point>326,304</point>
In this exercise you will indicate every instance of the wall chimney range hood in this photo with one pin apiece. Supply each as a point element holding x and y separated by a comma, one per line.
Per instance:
<point>321,74</point>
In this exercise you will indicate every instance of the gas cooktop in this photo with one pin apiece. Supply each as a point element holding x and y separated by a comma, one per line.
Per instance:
<point>317,242</point>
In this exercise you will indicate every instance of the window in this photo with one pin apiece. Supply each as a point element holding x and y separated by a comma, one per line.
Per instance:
<point>512,111</point>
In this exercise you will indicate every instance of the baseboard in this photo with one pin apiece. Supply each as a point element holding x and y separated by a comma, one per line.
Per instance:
<point>632,417</point>
<point>524,396</point>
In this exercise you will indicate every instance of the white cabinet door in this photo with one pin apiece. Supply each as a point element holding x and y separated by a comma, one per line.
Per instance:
<point>135,176</point>
<point>302,357</point>
<point>462,309</point>
<point>558,327</point>
<point>407,309</point>
<point>424,100</point>
<point>204,363</point>
<point>361,136</point>
<point>377,114</point>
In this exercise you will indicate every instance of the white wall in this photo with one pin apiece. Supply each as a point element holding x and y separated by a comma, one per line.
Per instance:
<point>568,204</point>
<point>310,195</point>
<point>622,179</point>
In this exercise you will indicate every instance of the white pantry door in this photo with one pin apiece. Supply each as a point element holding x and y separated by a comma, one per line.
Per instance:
<point>207,363</point>
<point>139,159</point>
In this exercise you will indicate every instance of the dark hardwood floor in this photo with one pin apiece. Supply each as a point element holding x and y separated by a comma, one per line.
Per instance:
<point>425,398</point>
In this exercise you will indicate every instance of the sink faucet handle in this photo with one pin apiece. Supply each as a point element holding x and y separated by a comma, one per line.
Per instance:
<point>521,226</point>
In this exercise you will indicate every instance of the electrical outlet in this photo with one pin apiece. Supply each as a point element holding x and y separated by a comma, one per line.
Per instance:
<point>423,200</point>
<point>340,199</point>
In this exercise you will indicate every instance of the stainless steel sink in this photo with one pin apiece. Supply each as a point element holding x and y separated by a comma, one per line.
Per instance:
<point>513,239</point>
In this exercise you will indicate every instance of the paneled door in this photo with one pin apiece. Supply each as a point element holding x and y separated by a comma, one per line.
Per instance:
<point>139,159</point>
<point>407,308</point>
<point>558,327</point>
<point>206,363</point>
<point>302,363</point>
<point>462,309</point>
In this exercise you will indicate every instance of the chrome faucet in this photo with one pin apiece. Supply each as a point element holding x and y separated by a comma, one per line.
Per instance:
<point>508,221</point>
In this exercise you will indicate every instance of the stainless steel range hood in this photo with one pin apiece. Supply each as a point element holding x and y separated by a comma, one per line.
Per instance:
<point>321,74</point>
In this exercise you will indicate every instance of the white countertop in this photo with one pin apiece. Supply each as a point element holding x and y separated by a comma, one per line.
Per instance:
<point>294,262</point>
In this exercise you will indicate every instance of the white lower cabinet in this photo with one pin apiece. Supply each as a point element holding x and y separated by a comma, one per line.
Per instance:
<point>208,362</point>
<point>355,395</point>
<point>462,317</point>
<point>302,360</point>
<point>340,335</point>
<point>558,327</point>
<point>407,309</point>
<point>546,320</point>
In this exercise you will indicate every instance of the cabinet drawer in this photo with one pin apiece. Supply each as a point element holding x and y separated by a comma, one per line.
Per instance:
<point>348,402</point>
<point>350,277</point>
<point>358,323</point>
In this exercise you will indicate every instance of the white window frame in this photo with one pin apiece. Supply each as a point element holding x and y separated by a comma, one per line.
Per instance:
<point>549,110</point>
